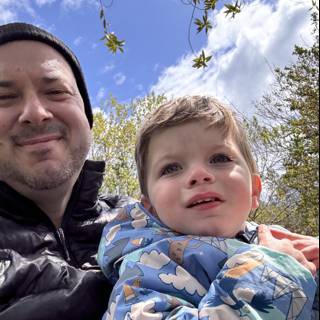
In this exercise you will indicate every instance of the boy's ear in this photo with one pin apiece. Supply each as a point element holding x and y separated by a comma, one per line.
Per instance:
<point>256,190</point>
<point>147,204</point>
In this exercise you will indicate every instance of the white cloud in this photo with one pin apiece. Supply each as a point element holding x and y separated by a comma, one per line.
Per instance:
<point>96,110</point>
<point>78,40</point>
<point>221,312</point>
<point>183,280</point>
<point>246,294</point>
<point>41,3</point>
<point>119,78</point>
<point>6,15</point>
<point>111,234</point>
<point>251,258</point>
<point>156,67</point>
<point>144,310</point>
<point>139,218</point>
<point>101,94</point>
<point>109,315</point>
<point>136,213</point>
<point>154,259</point>
<point>245,51</point>
<point>94,46</point>
<point>140,223</point>
<point>9,9</point>
<point>107,68</point>
<point>77,4</point>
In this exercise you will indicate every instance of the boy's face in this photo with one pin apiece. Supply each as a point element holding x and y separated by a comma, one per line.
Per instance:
<point>198,181</point>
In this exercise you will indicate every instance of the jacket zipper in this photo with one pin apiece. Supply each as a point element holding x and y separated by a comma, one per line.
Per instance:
<point>62,241</point>
<point>68,254</point>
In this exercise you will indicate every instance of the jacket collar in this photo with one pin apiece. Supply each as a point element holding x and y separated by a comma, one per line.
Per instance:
<point>83,198</point>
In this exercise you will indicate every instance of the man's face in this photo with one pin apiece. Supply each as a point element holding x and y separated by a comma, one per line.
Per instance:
<point>44,133</point>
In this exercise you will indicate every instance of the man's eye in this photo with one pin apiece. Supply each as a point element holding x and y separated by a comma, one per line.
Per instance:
<point>8,96</point>
<point>57,92</point>
<point>220,158</point>
<point>170,168</point>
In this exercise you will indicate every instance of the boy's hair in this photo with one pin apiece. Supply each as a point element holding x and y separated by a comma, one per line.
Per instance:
<point>187,109</point>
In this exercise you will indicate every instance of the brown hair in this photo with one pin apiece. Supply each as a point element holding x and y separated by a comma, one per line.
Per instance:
<point>187,109</point>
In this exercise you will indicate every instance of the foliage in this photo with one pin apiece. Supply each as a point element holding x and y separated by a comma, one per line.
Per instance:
<point>286,142</point>
<point>284,137</point>
<point>202,24</point>
<point>111,41</point>
<point>201,61</point>
<point>114,135</point>
<point>233,9</point>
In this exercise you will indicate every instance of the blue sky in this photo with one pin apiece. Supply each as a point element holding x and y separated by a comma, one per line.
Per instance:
<point>157,54</point>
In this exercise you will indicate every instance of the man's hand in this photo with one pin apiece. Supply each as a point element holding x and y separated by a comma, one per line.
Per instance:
<point>309,246</point>
<point>303,248</point>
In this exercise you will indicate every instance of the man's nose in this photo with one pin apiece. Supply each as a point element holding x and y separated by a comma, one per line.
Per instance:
<point>200,175</point>
<point>34,111</point>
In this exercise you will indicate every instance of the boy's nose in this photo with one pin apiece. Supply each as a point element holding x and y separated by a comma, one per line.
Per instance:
<point>200,175</point>
<point>33,111</point>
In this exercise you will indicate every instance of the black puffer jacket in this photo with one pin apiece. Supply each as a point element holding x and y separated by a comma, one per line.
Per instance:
<point>48,273</point>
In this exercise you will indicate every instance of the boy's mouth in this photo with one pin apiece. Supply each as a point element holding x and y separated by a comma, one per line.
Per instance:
<point>203,199</point>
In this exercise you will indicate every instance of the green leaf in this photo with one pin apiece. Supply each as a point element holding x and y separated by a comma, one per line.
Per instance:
<point>210,4</point>
<point>207,23</point>
<point>113,43</point>
<point>232,9</point>
<point>203,24</point>
<point>200,25</point>
<point>201,61</point>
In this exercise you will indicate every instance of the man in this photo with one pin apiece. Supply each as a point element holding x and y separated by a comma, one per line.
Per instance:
<point>50,215</point>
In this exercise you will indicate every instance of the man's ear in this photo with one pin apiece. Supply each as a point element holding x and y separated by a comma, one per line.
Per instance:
<point>256,190</point>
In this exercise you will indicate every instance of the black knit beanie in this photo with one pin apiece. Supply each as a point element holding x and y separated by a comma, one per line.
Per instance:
<point>23,31</point>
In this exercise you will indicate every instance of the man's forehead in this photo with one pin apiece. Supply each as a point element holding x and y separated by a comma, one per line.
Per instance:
<point>21,55</point>
<point>31,50</point>
<point>54,68</point>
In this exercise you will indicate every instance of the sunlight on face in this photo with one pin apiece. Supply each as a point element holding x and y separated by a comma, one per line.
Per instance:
<point>198,181</point>
<point>44,133</point>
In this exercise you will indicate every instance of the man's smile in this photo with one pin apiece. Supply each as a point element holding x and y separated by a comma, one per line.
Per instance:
<point>38,140</point>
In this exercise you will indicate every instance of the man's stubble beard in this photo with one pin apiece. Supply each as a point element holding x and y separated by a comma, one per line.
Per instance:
<point>47,178</point>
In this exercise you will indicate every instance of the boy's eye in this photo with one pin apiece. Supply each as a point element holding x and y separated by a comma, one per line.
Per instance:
<point>220,158</point>
<point>170,168</point>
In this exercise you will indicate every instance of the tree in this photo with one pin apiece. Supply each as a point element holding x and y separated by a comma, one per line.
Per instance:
<point>287,142</point>
<point>114,135</point>
<point>202,23</point>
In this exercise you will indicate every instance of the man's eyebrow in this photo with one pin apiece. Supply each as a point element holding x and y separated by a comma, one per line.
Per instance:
<point>50,79</point>
<point>46,79</point>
